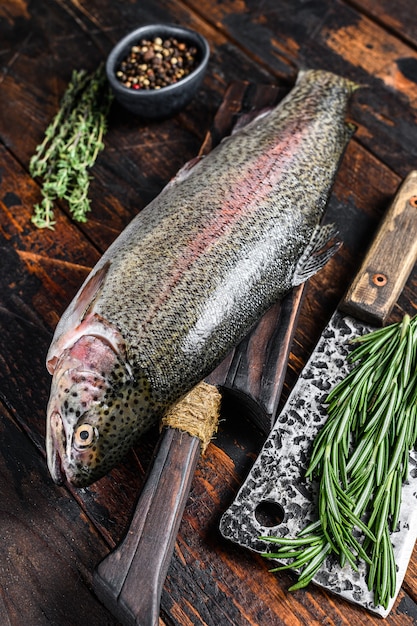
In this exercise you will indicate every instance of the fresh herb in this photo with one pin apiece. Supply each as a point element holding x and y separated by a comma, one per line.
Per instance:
<point>360,459</point>
<point>70,147</point>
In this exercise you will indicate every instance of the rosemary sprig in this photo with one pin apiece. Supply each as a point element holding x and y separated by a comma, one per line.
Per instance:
<point>360,458</point>
<point>70,147</point>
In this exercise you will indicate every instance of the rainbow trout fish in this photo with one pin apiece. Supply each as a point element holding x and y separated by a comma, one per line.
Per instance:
<point>186,280</point>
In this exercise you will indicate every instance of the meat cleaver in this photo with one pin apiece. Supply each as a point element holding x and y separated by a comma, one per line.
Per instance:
<point>275,498</point>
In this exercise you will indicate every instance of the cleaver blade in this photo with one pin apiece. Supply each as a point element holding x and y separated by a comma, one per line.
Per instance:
<point>276,499</point>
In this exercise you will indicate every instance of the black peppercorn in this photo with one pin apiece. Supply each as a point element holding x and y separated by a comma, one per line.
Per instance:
<point>156,64</point>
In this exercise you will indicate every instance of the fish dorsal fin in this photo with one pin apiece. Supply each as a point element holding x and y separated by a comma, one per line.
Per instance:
<point>322,246</point>
<point>183,172</point>
<point>246,118</point>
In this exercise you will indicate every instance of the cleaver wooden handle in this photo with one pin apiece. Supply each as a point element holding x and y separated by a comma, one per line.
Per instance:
<point>389,260</point>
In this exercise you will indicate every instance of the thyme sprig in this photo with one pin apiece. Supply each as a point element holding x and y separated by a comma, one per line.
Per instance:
<point>360,460</point>
<point>70,147</point>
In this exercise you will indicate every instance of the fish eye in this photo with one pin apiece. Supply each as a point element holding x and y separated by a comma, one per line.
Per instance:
<point>84,435</point>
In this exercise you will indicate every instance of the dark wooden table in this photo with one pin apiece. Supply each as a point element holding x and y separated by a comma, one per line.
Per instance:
<point>51,538</point>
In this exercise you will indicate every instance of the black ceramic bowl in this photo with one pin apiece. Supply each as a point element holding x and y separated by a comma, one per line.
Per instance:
<point>158,103</point>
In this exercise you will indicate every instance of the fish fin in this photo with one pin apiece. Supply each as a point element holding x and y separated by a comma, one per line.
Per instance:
<point>301,74</point>
<point>86,297</point>
<point>350,130</point>
<point>94,325</point>
<point>246,118</point>
<point>77,312</point>
<point>184,172</point>
<point>322,246</point>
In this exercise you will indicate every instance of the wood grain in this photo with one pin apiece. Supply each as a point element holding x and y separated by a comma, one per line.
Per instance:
<point>209,581</point>
<point>389,260</point>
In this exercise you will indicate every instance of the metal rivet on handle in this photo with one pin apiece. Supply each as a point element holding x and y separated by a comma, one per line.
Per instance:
<point>413,201</point>
<point>379,280</point>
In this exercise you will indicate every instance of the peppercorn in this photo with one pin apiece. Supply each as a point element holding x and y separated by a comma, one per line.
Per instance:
<point>156,64</point>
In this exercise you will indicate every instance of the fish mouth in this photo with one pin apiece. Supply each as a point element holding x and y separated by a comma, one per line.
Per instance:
<point>55,448</point>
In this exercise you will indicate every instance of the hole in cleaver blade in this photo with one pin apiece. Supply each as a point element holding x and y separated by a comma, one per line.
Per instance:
<point>269,514</point>
<point>278,473</point>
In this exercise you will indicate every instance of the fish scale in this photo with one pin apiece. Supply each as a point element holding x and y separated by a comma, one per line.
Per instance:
<point>190,275</point>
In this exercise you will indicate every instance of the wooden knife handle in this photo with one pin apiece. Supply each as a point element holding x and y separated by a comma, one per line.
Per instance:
<point>129,581</point>
<point>256,373</point>
<point>388,261</point>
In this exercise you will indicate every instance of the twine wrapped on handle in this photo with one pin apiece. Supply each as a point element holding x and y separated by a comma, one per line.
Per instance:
<point>197,413</point>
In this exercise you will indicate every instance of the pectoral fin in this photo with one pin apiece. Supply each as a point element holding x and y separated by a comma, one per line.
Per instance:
<point>323,244</point>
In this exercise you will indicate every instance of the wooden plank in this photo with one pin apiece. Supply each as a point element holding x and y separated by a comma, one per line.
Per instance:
<point>41,272</point>
<point>104,502</point>
<point>335,36</point>
<point>140,156</point>
<point>45,562</point>
<point>191,565</point>
<point>223,572</point>
<point>397,17</point>
<point>209,582</point>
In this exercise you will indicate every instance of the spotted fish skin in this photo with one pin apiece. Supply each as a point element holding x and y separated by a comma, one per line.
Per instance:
<point>191,274</point>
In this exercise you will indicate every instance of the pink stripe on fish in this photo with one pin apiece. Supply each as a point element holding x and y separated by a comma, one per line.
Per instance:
<point>253,186</point>
<point>245,198</point>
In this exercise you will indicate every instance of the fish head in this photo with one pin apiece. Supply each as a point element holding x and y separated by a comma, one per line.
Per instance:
<point>96,411</point>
